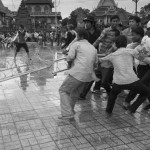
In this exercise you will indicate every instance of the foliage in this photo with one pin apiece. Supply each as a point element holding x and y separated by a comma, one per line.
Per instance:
<point>65,21</point>
<point>145,12</point>
<point>73,16</point>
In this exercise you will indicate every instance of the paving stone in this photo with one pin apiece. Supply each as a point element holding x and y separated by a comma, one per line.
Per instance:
<point>29,118</point>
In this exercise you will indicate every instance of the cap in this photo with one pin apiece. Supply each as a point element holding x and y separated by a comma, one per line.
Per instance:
<point>89,18</point>
<point>148,24</point>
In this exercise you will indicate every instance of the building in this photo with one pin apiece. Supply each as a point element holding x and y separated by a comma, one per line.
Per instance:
<point>107,8</point>
<point>2,14</point>
<point>41,14</point>
<point>23,17</point>
<point>5,18</point>
<point>8,17</point>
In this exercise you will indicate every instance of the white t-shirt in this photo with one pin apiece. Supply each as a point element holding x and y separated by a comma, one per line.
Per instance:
<point>145,43</point>
<point>123,62</point>
<point>84,56</point>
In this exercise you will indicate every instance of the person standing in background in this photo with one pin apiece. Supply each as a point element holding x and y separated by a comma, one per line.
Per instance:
<point>134,21</point>
<point>20,40</point>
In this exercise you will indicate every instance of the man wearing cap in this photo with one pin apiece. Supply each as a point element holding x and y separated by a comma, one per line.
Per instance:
<point>134,21</point>
<point>90,26</point>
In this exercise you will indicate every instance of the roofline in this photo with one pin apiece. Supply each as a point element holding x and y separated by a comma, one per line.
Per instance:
<point>1,11</point>
<point>51,4</point>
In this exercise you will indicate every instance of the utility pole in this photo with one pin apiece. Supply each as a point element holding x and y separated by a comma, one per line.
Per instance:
<point>56,17</point>
<point>136,2</point>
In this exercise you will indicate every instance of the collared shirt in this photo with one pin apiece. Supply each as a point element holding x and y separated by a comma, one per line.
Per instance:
<point>146,44</point>
<point>92,38</point>
<point>123,62</point>
<point>106,40</point>
<point>128,33</point>
<point>84,56</point>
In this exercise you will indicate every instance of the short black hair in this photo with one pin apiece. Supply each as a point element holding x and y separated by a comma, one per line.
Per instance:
<point>70,26</point>
<point>138,30</point>
<point>136,18</point>
<point>22,27</point>
<point>83,33</point>
<point>114,17</point>
<point>117,32</point>
<point>121,41</point>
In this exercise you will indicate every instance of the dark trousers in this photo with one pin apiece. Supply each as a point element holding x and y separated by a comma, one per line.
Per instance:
<point>144,75</point>
<point>88,85</point>
<point>107,74</point>
<point>22,45</point>
<point>137,87</point>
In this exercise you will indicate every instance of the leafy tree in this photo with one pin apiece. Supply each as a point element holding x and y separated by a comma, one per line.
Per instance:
<point>145,12</point>
<point>73,16</point>
<point>65,21</point>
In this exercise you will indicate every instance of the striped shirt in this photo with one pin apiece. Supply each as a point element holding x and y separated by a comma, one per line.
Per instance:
<point>105,40</point>
<point>128,33</point>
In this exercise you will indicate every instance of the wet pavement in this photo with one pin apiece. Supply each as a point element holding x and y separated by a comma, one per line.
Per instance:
<point>29,110</point>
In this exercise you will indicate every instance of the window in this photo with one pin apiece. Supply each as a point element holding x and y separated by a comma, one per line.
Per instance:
<point>46,9</point>
<point>37,8</point>
<point>29,8</point>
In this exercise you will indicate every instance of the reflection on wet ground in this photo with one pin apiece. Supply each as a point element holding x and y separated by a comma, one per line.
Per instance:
<point>29,110</point>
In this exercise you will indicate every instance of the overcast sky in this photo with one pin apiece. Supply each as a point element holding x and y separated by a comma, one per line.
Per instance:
<point>67,6</point>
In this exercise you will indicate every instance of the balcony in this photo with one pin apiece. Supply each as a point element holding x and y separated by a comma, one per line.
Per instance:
<point>48,14</point>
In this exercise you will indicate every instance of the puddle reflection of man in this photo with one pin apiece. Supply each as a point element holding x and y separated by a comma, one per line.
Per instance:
<point>23,78</point>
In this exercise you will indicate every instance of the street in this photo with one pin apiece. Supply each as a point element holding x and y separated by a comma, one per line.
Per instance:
<point>30,106</point>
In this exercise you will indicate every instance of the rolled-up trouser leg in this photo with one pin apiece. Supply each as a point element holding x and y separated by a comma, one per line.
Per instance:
<point>67,101</point>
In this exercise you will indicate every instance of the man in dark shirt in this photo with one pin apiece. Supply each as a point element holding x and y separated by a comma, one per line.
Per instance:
<point>20,40</point>
<point>90,26</point>
<point>70,36</point>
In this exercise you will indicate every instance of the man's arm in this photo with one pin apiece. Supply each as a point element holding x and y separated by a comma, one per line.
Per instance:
<point>139,53</point>
<point>72,52</point>
<point>15,37</point>
<point>147,60</point>
<point>103,34</point>
<point>68,47</point>
<point>106,58</point>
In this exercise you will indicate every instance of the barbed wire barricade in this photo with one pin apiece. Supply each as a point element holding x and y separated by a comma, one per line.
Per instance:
<point>52,62</point>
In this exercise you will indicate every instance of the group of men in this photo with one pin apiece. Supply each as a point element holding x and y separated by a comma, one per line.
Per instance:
<point>125,65</point>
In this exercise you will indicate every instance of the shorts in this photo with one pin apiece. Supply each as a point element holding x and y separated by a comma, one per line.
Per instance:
<point>22,45</point>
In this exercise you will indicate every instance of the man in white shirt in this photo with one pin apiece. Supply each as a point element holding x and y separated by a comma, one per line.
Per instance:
<point>82,56</point>
<point>143,70</point>
<point>124,76</point>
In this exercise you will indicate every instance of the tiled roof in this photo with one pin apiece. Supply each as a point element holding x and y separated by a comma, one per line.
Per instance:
<point>39,2</point>
<point>8,12</point>
<point>2,8</point>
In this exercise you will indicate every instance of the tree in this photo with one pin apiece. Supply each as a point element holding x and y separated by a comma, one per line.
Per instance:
<point>145,12</point>
<point>65,21</point>
<point>72,19</point>
<point>74,14</point>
